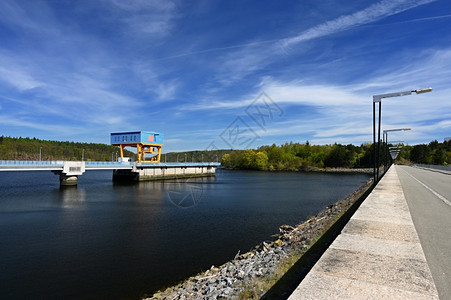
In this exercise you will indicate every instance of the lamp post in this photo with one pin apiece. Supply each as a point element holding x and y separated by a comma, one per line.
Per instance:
<point>394,153</point>
<point>385,138</point>
<point>397,142</point>
<point>83,155</point>
<point>185,158</point>
<point>40,153</point>
<point>378,99</point>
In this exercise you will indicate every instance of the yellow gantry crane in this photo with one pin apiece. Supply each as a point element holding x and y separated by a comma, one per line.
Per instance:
<point>146,142</point>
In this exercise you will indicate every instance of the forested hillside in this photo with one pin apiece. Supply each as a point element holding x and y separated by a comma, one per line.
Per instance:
<point>434,153</point>
<point>289,156</point>
<point>28,149</point>
<point>295,156</point>
<point>195,156</point>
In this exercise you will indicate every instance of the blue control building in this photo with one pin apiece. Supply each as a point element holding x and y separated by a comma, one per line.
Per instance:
<point>146,142</point>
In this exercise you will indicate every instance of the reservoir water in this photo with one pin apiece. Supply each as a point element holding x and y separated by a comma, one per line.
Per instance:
<point>102,240</point>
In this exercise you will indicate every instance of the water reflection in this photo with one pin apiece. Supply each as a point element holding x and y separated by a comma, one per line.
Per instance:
<point>149,192</point>
<point>70,196</point>
<point>182,193</point>
<point>186,193</point>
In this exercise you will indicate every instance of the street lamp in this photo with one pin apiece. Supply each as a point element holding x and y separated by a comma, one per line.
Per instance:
<point>40,153</point>
<point>185,158</point>
<point>397,142</point>
<point>396,147</point>
<point>394,154</point>
<point>385,140</point>
<point>378,99</point>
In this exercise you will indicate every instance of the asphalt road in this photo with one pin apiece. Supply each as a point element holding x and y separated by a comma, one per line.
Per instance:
<point>428,195</point>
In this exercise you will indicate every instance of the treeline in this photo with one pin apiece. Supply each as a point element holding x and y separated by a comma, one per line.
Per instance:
<point>434,153</point>
<point>29,148</point>
<point>195,156</point>
<point>288,156</point>
<point>295,156</point>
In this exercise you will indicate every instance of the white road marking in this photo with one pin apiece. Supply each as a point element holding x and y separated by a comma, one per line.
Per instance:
<point>431,190</point>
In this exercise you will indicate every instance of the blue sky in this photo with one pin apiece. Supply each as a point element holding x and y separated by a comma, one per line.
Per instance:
<point>224,74</point>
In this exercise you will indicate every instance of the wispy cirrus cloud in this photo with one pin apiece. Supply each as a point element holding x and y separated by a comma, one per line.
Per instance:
<point>167,90</point>
<point>432,62</point>
<point>287,93</point>
<point>344,112</point>
<point>370,14</point>
<point>151,17</point>
<point>69,77</point>
<point>17,78</point>
<point>259,54</point>
<point>121,65</point>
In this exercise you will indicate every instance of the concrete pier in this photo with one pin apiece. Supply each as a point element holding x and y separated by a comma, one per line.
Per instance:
<point>147,172</point>
<point>68,180</point>
<point>70,172</point>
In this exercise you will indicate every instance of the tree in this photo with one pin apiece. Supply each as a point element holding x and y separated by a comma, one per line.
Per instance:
<point>261,161</point>
<point>439,157</point>
<point>420,154</point>
<point>247,159</point>
<point>226,161</point>
<point>339,156</point>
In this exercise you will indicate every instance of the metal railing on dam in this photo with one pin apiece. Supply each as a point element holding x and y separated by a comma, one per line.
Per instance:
<point>436,167</point>
<point>70,170</point>
<point>57,165</point>
<point>30,165</point>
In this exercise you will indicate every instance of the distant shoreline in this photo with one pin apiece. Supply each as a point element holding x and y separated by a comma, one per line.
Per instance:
<point>341,170</point>
<point>318,170</point>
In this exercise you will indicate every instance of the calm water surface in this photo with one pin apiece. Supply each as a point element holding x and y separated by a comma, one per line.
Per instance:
<point>117,241</point>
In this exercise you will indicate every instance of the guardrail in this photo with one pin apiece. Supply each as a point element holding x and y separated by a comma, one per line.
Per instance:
<point>11,163</point>
<point>107,164</point>
<point>437,167</point>
<point>180,164</point>
<point>31,164</point>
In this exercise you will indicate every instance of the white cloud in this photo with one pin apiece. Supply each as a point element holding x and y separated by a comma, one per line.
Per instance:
<point>23,122</point>
<point>258,55</point>
<point>18,78</point>
<point>344,113</point>
<point>17,73</point>
<point>290,93</point>
<point>167,90</point>
<point>151,17</point>
<point>370,14</point>
<point>94,85</point>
